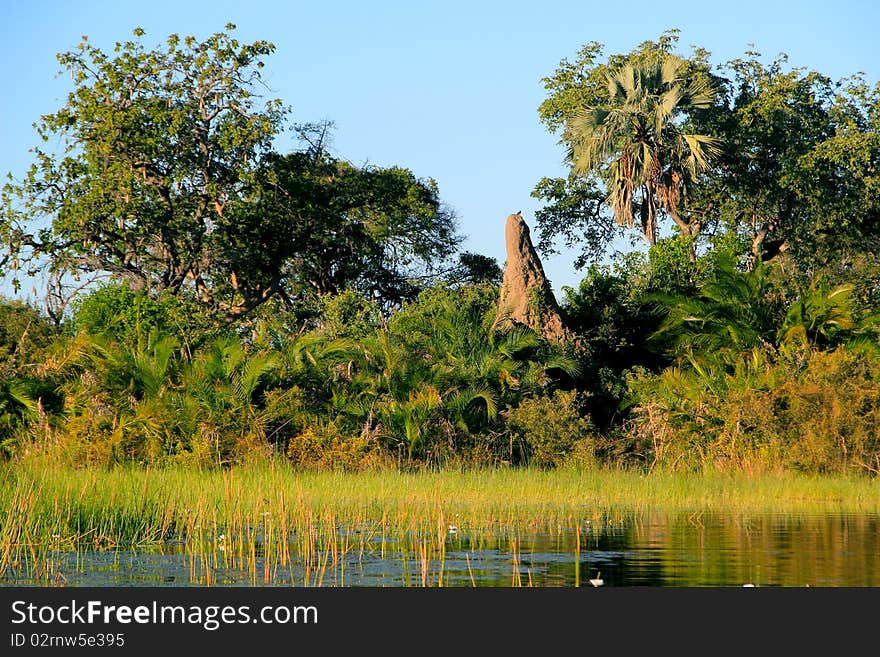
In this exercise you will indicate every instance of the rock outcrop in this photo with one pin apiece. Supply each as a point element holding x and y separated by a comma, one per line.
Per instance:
<point>526,295</point>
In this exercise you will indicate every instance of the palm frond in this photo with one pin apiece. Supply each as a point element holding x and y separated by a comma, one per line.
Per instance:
<point>251,372</point>
<point>668,102</point>
<point>670,68</point>
<point>517,340</point>
<point>571,366</point>
<point>702,148</point>
<point>461,400</point>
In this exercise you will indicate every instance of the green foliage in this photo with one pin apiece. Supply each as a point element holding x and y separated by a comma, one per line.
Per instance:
<point>324,226</point>
<point>612,320</point>
<point>326,447</point>
<point>165,178</point>
<point>621,124</point>
<point>821,318</point>
<point>616,314</point>
<point>454,363</point>
<point>152,146</point>
<point>439,382</point>
<point>349,315</point>
<point>761,365</point>
<point>434,382</point>
<point>820,416</point>
<point>551,427</point>
<point>735,311</point>
<point>673,266</point>
<point>300,305</point>
<point>24,334</point>
<point>795,173</point>
<point>798,166</point>
<point>149,400</point>
<point>731,312</point>
<point>475,269</point>
<point>121,314</point>
<point>428,384</point>
<point>573,213</point>
<point>23,331</point>
<point>583,83</point>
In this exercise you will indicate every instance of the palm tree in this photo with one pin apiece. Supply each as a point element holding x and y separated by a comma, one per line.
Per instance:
<point>635,142</point>
<point>456,369</point>
<point>731,313</point>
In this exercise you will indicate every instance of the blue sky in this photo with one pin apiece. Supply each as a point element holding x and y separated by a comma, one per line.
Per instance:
<point>448,89</point>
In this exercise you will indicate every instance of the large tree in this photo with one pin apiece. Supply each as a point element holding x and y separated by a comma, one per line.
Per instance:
<point>165,177</point>
<point>800,165</point>
<point>795,171</point>
<point>313,223</point>
<point>153,144</point>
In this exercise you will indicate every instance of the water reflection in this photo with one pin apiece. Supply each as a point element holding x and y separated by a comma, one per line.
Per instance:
<point>656,550</point>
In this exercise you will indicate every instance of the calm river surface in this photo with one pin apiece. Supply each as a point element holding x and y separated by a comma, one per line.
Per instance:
<point>629,550</point>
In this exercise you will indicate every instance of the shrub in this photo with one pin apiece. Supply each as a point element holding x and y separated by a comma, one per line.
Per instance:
<point>23,330</point>
<point>552,428</point>
<point>24,335</point>
<point>349,315</point>
<point>327,447</point>
<point>122,314</point>
<point>820,415</point>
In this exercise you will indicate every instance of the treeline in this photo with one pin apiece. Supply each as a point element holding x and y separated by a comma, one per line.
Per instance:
<point>731,376</point>
<point>212,301</point>
<point>132,378</point>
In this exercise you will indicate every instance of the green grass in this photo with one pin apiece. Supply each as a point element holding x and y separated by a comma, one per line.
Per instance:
<point>223,518</point>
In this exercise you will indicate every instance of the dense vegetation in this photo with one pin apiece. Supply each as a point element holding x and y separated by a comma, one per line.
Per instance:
<point>211,301</point>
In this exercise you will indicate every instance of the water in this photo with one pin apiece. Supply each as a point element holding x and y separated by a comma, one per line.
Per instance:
<point>655,550</point>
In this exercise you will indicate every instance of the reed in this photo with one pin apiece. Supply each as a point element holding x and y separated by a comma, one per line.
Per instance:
<point>270,521</point>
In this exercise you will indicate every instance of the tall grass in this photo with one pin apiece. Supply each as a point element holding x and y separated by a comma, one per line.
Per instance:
<point>270,520</point>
